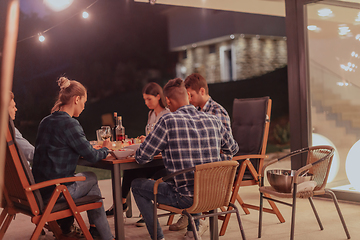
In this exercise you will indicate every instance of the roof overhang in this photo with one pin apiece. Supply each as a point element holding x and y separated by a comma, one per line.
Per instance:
<point>264,7</point>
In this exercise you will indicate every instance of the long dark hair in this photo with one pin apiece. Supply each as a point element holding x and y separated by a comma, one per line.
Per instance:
<point>155,89</point>
<point>68,89</point>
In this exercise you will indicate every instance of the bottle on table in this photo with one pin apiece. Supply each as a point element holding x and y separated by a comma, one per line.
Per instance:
<point>114,129</point>
<point>120,130</point>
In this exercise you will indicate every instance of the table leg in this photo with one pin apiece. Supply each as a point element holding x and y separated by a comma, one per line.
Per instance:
<point>214,235</point>
<point>118,211</point>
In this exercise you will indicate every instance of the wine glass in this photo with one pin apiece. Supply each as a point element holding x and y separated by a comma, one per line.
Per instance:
<point>105,132</point>
<point>149,128</point>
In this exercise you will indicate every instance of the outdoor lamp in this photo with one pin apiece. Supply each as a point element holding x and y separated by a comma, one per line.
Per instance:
<point>58,5</point>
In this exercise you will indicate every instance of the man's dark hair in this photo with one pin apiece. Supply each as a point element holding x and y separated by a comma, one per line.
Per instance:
<point>195,81</point>
<point>175,89</point>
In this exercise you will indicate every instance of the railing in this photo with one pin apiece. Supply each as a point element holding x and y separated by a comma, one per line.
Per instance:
<point>326,79</point>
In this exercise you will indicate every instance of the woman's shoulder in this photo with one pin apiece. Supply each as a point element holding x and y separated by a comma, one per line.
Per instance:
<point>165,111</point>
<point>59,118</point>
<point>162,113</point>
<point>151,112</point>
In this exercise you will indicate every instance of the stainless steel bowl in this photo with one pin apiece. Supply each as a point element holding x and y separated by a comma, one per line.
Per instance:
<point>281,180</point>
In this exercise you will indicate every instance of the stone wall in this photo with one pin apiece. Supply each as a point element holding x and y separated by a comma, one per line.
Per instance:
<point>254,56</point>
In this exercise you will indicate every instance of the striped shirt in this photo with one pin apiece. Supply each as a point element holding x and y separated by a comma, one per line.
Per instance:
<point>186,138</point>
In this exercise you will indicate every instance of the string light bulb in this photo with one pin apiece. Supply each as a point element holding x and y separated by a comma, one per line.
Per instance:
<point>152,2</point>
<point>58,5</point>
<point>85,14</point>
<point>41,38</point>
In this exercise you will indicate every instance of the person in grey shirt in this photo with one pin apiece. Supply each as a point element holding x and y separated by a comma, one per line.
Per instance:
<point>26,147</point>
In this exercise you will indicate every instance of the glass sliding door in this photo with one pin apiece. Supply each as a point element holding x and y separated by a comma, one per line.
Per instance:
<point>333,50</point>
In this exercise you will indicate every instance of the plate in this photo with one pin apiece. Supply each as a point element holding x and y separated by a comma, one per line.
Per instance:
<point>133,146</point>
<point>122,153</point>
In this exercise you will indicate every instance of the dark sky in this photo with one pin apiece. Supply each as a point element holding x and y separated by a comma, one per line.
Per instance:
<point>114,53</point>
<point>120,47</point>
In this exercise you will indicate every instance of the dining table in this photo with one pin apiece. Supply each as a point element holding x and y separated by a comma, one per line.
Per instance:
<point>117,166</point>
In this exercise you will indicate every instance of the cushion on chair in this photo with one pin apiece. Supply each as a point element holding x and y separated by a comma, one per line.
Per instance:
<point>248,127</point>
<point>62,204</point>
<point>26,167</point>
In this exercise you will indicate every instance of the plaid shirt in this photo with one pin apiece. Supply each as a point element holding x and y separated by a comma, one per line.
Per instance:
<point>219,111</point>
<point>59,143</point>
<point>216,109</point>
<point>186,138</point>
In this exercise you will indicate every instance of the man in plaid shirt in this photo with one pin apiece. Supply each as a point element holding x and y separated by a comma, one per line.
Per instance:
<point>198,89</point>
<point>185,137</point>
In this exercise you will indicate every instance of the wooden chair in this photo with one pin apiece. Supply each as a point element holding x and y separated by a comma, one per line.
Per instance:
<point>21,195</point>
<point>319,160</point>
<point>213,183</point>
<point>250,127</point>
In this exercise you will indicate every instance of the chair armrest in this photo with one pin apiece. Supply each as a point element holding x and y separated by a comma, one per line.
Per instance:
<point>167,177</point>
<point>301,171</point>
<point>277,160</point>
<point>54,182</point>
<point>266,165</point>
<point>252,156</point>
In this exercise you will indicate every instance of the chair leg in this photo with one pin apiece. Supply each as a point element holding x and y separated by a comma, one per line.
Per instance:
<point>4,212</point>
<point>193,226</point>
<point>239,221</point>
<point>155,217</point>
<point>241,202</point>
<point>7,218</point>
<point>333,196</point>
<point>226,220</point>
<point>316,214</point>
<point>260,214</point>
<point>292,232</point>
<point>170,220</point>
<point>38,229</point>
<point>82,225</point>
<point>53,226</point>
<point>275,209</point>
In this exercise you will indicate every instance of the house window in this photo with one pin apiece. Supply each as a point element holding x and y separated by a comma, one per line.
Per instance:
<point>180,71</point>
<point>184,54</point>
<point>212,48</point>
<point>227,63</point>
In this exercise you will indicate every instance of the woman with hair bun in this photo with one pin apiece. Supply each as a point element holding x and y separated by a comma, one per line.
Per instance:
<point>60,142</point>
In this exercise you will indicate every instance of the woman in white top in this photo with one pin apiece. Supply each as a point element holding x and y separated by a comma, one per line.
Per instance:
<point>155,101</point>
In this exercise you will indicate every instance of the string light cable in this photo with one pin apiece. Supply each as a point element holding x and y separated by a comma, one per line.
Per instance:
<point>41,36</point>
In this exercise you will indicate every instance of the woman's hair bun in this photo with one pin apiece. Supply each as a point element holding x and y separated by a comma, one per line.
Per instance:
<point>63,82</point>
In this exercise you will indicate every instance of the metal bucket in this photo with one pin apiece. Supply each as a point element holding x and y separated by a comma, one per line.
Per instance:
<point>281,180</point>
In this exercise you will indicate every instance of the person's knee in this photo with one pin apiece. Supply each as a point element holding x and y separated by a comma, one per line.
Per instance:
<point>136,183</point>
<point>140,184</point>
<point>91,178</point>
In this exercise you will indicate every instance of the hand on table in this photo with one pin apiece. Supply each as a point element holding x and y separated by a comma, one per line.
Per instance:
<point>97,146</point>
<point>142,138</point>
<point>107,144</point>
